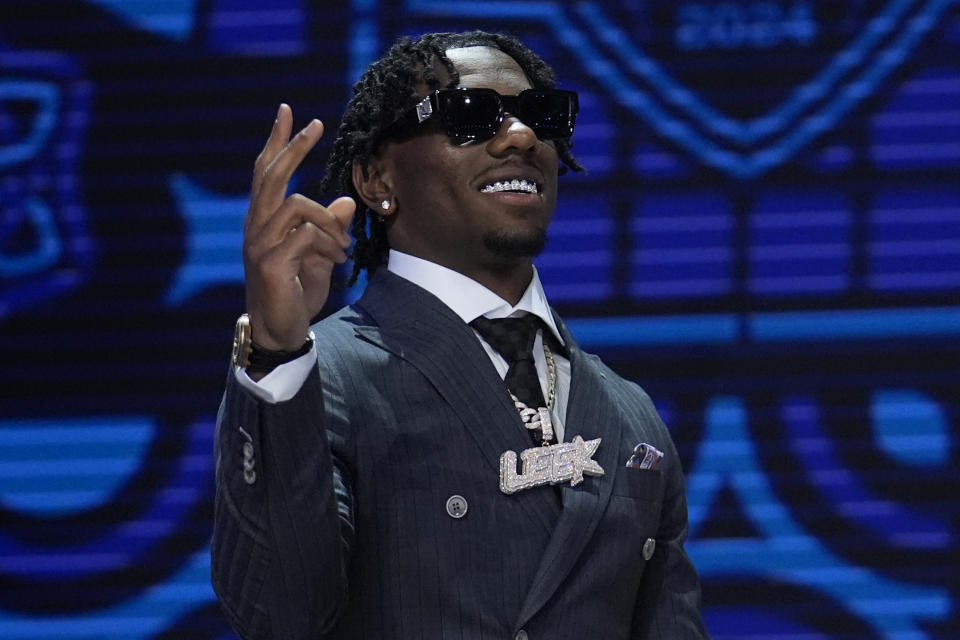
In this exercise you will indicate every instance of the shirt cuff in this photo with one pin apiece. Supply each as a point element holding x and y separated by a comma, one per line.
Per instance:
<point>283,382</point>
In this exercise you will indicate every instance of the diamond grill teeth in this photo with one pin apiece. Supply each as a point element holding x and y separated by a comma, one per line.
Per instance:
<point>517,184</point>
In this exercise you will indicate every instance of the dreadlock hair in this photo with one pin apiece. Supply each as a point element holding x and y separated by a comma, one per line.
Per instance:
<point>387,90</point>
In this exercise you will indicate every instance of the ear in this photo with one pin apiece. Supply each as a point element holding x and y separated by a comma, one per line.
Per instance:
<point>374,184</point>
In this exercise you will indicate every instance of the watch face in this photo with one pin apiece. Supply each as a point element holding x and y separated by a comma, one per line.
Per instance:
<point>241,342</point>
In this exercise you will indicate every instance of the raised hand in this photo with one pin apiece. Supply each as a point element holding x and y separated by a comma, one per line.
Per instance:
<point>291,243</point>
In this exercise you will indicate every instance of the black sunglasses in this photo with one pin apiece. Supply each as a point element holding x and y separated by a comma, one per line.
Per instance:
<point>476,114</point>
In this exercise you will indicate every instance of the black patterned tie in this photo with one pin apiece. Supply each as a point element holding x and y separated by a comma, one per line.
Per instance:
<point>513,338</point>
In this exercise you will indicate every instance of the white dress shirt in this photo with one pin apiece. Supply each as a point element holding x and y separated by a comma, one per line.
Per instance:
<point>468,299</point>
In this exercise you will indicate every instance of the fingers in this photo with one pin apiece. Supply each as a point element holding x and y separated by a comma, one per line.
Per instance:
<point>306,255</point>
<point>343,209</point>
<point>279,136</point>
<point>307,243</point>
<point>276,176</point>
<point>300,233</point>
<point>298,210</point>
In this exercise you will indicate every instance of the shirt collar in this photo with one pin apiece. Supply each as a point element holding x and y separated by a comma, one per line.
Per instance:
<point>468,298</point>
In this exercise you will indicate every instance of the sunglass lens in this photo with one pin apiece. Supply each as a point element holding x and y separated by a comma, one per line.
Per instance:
<point>549,113</point>
<point>471,114</point>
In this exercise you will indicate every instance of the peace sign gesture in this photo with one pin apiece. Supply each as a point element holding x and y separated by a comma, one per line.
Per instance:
<point>291,243</point>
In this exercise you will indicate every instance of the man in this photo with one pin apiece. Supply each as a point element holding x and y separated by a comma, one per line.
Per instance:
<point>368,483</point>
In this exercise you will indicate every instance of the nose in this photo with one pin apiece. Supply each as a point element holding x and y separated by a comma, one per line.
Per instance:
<point>513,136</point>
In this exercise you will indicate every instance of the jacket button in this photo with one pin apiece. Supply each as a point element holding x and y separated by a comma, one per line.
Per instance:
<point>521,635</point>
<point>648,548</point>
<point>456,506</point>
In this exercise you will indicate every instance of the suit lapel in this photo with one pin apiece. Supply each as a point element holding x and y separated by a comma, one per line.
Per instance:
<point>417,327</point>
<point>589,415</point>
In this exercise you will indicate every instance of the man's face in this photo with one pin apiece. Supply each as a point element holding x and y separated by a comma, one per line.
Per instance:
<point>442,212</point>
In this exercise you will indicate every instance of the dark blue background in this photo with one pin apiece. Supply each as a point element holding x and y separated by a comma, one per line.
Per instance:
<point>768,240</point>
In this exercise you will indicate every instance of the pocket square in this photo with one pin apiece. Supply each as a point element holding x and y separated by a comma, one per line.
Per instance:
<point>645,456</point>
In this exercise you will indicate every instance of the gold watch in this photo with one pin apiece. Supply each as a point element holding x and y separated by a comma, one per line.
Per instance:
<point>242,343</point>
<point>254,358</point>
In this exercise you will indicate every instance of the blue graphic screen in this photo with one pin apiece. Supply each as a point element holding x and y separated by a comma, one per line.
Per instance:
<point>767,239</point>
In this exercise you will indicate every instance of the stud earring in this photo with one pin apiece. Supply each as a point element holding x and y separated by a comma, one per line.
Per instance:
<point>385,205</point>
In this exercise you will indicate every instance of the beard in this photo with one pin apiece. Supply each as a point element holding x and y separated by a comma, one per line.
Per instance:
<point>515,246</point>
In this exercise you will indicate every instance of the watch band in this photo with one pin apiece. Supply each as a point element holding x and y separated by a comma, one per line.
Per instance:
<point>265,360</point>
<point>256,359</point>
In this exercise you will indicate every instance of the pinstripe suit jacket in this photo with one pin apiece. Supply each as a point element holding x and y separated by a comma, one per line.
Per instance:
<point>343,532</point>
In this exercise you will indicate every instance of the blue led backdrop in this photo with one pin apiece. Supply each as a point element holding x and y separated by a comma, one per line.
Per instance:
<point>768,240</point>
